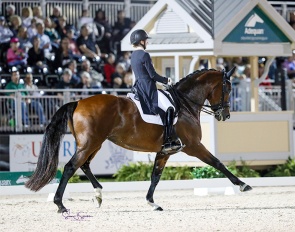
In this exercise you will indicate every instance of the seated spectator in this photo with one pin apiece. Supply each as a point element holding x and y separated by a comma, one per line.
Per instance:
<point>32,29</point>
<point>117,76</point>
<point>44,39</point>
<point>16,56</point>
<point>10,11</point>
<point>34,102</point>
<point>63,55</point>
<point>38,14</point>
<point>5,32</point>
<point>62,26</point>
<point>51,32</point>
<point>24,41</point>
<point>56,13</point>
<point>84,19</point>
<point>86,83</point>
<point>75,77</point>
<point>127,82</point>
<point>65,83</point>
<point>86,45</point>
<point>15,85</point>
<point>27,16</point>
<point>105,42</point>
<point>108,69</point>
<point>73,45</point>
<point>126,60</point>
<point>36,58</point>
<point>96,77</point>
<point>15,24</point>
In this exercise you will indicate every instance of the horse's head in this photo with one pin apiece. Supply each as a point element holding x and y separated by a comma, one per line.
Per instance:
<point>219,97</point>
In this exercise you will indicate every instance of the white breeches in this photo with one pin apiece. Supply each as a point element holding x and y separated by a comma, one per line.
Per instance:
<point>163,101</point>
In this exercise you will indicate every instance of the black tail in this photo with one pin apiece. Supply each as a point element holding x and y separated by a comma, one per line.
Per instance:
<point>48,157</point>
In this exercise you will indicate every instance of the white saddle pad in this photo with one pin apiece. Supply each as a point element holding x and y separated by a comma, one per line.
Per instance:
<point>154,119</point>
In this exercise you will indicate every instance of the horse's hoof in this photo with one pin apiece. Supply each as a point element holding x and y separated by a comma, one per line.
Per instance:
<point>99,201</point>
<point>245,188</point>
<point>158,209</point>
<point>62,210</point>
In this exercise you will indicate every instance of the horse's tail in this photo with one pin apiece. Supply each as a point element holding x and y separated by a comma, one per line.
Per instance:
<point>48,157</point>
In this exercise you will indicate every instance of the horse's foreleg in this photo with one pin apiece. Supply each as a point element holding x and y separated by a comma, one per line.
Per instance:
<point>204,155</point>
<point>96,185</point>
<point>69,170</point>
<point>160,162</point>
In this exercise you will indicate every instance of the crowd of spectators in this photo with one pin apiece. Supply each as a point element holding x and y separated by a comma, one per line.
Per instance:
<point>89,52</point>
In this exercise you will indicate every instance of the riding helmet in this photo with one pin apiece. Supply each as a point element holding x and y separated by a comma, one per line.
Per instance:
<point>137,36</point>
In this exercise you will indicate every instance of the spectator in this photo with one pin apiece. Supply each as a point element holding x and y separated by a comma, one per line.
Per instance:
<point>96,77</point>
<point>105,42</point>
<point>32,29</point>
<point>73,67</point>
<point>62,26</point>
<point>289,64</point>
<point>15,85</point>
<point>63,55</point>
<point>86,45</point>
<point>85,84</point>
<point>56,13</point>
<point>51,33</point>
<point>38,14</point>
<point>15,24</point>
<point>5,32</point>
<point>127,82</point>
<point>26,16</point>
<point>16,56</point>
<point>117,76</point>
<point>34,102</point>
<point>24,41</point>
<point>73,45</point>
<point>84,19</point>
<point>44,39</point>
<point>126,60</point>
<point>10,11</point>
<point>36,58</point>
<point>109,68</point>
<point>65,83</point>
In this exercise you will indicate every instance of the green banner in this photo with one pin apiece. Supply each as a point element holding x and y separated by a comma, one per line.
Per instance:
<point>20,178</point>
<point>256,27</point>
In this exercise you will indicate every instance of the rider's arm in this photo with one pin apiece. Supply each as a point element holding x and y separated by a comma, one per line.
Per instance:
<point>151,70</point>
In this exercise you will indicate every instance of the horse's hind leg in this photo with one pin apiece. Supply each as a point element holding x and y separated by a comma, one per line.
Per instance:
<point>96,185</point>
<point>160,162</point>
<point>70,168</point>
<point>204,155</point>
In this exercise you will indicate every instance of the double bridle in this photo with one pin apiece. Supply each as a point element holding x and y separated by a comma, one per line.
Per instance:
<point>216,109</point>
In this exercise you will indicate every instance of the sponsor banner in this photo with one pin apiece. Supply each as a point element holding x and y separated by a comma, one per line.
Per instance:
<point>24,152</point>
<point>20,178</point>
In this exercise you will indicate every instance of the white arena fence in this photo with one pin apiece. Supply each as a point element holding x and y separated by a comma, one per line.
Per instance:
<point>39,108</point>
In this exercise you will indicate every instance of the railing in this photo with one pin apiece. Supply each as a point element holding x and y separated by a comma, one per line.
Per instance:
<point>31,113</point>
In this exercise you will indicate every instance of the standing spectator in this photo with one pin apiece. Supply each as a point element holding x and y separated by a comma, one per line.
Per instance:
<point>16,56</point>
<point>32,29</point>
<point>86,45</point>
<point>26,16</point>
<point>24,41</point>
<point>109,68</point>
<point>15,85</point>
<point>44,39</point>
<point>34,102</point>
<point>96,77</point>
<point>5,32</point>
<point>15,24</point>
<point>56,13</point>
<point>36,58</point>
<point>10,11</point>
<point>63,55</point>
<point>105,42</point>
<point>73,67</point>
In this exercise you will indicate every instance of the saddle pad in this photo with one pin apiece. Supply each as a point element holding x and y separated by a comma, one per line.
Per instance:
<point>154,119</point>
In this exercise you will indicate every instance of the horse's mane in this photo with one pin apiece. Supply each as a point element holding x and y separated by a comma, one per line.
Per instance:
<point>196,74</point>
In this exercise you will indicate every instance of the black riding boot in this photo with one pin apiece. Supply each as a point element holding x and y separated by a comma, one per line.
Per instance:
<point>171,142</point>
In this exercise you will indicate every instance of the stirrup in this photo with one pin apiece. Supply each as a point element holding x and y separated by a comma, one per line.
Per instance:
<point>172,147</point>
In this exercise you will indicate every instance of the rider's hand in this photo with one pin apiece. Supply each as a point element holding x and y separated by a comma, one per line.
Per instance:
<point>170,82</point>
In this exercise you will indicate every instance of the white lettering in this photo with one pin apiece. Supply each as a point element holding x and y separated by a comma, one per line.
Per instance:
<point>5,182</point>
<point>252,31</point>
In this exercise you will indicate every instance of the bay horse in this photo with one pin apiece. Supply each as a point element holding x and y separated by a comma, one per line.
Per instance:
<point>100,117</point>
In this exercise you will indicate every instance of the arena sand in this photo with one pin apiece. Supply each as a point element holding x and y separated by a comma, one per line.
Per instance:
<point>263,209</point>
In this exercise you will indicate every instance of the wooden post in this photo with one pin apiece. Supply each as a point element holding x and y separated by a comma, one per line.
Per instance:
<point>254,88</point>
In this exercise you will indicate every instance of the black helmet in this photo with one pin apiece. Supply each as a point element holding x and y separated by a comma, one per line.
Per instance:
<point>137,36</point>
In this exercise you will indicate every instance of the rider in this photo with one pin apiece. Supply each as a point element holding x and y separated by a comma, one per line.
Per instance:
<point>146,89</point>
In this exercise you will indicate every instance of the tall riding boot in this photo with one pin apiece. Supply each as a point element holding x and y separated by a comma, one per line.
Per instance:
<point>171,142</point>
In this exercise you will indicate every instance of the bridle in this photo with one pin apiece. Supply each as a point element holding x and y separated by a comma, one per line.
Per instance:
<point>217,109</point>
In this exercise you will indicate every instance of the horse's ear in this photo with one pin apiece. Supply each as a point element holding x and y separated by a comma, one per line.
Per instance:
<point>230,72</point>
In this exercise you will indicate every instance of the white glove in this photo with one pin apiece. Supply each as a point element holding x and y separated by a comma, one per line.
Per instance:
<point>170,82</point>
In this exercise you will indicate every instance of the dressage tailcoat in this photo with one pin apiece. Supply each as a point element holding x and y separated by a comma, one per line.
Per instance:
<point>145,84</point>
